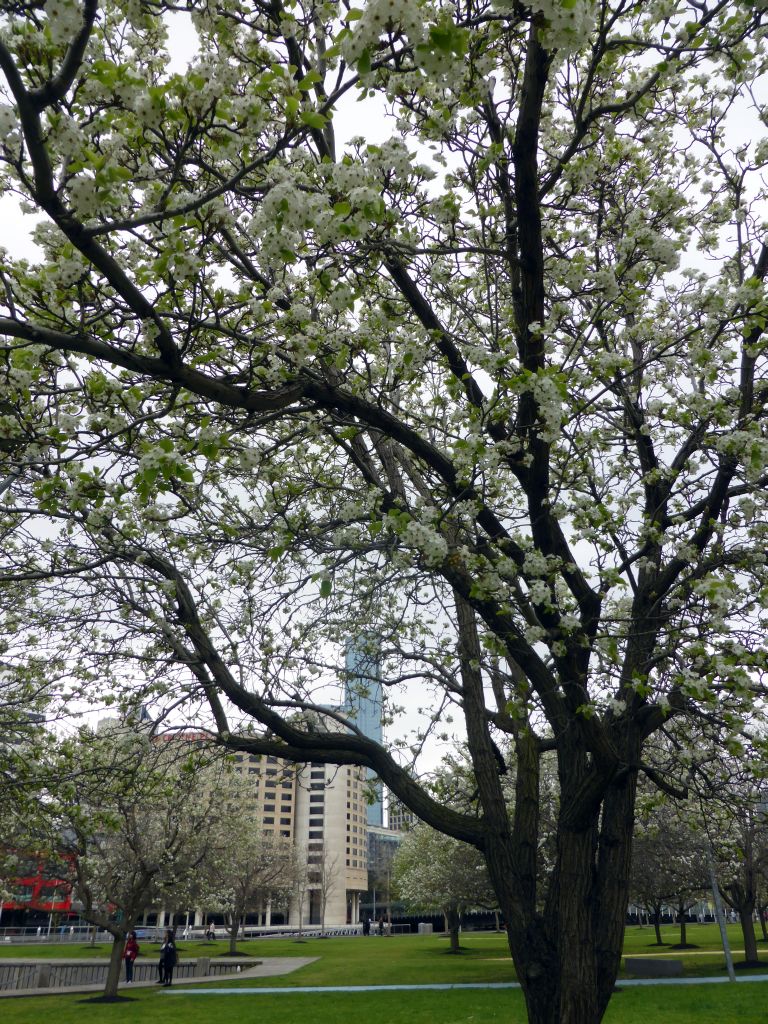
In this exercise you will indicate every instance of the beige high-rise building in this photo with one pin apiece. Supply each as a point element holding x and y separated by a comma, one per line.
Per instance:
<point>331,828</point>
<point>274,790</point>
<point>322,808</point>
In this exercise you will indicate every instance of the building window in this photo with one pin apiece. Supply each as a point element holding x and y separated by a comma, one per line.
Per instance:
<point>313,835</point>
<point>285,821</point>
<point>268,821</point>
<point>269,807</point>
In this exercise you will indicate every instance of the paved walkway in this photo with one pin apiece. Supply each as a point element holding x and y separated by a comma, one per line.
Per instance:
<point>270,967</point>
<point>319,989</point>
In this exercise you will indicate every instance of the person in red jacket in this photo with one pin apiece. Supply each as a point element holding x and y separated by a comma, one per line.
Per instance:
<point>129,955</point>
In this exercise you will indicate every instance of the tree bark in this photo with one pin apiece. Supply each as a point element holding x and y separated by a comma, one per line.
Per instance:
<point>746,919</point>
<point>567,955</point>
<point>234,929</point>
<point>657,925</point>
<point>453,923</point>
<point>115,964</point>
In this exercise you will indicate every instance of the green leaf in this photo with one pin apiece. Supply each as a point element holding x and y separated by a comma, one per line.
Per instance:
<point>313,119</point>
<point>326,587</point>
<point>364,64</point>
<point>310,79</point>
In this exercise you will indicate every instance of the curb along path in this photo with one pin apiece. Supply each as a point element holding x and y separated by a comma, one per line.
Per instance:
<point>319,989</point>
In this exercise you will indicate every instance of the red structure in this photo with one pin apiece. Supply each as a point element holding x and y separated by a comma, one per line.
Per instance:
<point>37,893</point>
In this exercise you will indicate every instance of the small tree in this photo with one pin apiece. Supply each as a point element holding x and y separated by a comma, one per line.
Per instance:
<point>668,864</point>
<point>128,821</point>
<point>433,871</point>
<point>246,867</point>
<point>741,851</point>
<point>301,884</point>
<point>330,872</point>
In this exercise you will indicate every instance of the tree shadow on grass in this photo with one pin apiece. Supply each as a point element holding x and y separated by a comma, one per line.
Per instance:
<point>107,999</point>
<point>238,952</point>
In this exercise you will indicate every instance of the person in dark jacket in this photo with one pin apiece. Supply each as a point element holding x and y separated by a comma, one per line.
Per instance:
<point>130,953</point>
<point>168,959</point>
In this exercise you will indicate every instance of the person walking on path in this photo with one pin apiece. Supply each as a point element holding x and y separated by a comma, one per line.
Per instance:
<point>130,953</point>
<point>168,959</point>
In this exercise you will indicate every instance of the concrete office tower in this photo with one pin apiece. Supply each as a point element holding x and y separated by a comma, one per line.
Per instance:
<point>363,703</point>
<point>331,830</point>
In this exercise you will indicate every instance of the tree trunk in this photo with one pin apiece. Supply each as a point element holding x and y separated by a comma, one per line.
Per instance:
<point>234,928</point>
<point>683,931</point>
<point>582,929</point>
<point>761,910</point>
<point>657,925</point>
<point>568,956</point>
<point>748,931</point>
<point>115,964</point>
<point>453,923</point>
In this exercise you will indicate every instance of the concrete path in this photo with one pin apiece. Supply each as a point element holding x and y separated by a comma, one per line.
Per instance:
<point>319,989</point>
<point>270,967</point>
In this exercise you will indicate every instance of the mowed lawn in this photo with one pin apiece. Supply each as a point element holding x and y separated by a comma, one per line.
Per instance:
<point>410,960</point>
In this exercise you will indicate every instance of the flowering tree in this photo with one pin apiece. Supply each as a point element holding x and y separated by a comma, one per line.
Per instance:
<point>128,822</point>
<point>434,871</point>
<point>245,865</point>
<point>492,390</point>
<point>669,865</point>
<point>737,828</point>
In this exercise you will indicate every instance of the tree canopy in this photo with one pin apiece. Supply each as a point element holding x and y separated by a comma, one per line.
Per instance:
<point>491,391</point>
<point>433,871</point>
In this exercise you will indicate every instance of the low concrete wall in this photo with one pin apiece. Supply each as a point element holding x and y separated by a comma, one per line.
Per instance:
<point>24,974</point>
<point>651,967</point>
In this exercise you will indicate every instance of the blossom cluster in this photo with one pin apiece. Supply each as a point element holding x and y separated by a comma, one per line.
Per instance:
<point>8,120</point>
<point>65,18</point>
<point>568,23</point>
<point>381,16</point>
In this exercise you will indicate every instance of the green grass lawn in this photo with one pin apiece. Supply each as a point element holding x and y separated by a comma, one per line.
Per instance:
<point>403,960</point>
